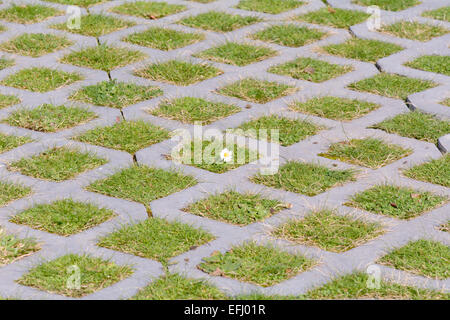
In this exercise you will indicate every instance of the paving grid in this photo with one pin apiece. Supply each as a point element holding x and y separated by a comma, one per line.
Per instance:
<point>145,270</point>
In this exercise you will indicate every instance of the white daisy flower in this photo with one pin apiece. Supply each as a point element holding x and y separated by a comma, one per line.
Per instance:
<point>226,155</point>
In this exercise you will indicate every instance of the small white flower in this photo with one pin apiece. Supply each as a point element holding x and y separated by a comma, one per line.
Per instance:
<point>226,155</point>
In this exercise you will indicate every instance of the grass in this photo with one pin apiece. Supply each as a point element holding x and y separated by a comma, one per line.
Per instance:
<point>142,184</point>
<point>148,10</point>
<point>10,192</point>
<point>80,3</point>
<point>334,17</point>
<point>363,49</point>
<point>177,287</point>
<point>289,35</point>
<point>39,79</point>
<point>417,125</point>
<point>8,142</point>
<point>57,164</point>
<point>27,14</point>
<point>129,136</point>
<point>218,21</point>
<point>397,202</point>
<point>388,4</point>
<point>64,217</point>
<point>392,85</point>
<point>414,30</point>
<point>370,152</point>
<point>103,57</point>
<point>115,94</point>
<point>96,274</point>
<point>290,131</point>
<point>446,102</point>
<point>8,100</point>
<point>49,118</point>
<point>433,63</point>
<point>258,91</point>
<point>13,248</point>
<point>237,54</point>
<point>445,227</point>
<point>261,265</point>
<point>164,39</point>
<point>422,257</point>
<point>354,286</point>
<point>35,44</point>
<point>329,231</point>
<point>310,69</point>
<point>436,171</point>
<point>439,14</point>
<point>96,25</point>
<point>335,108</point>
<point>156,239</point>
<point>236,208</point>
<point>269,6</point>
<point>178,72</point>
<point>191,110</point>
<point>305,178</point>
<point>6,63</point>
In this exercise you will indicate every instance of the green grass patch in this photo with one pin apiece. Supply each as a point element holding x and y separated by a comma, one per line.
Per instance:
<point>148,10</point>
<point>436,171</point>
<point>6,63</point>
<point>258,91</point>
<point>8,143</point>
<point>269,6</point>
<point>422,257</point>
<point>445,227</point>
<point>310,69</point>
<point>79,3</point>
<point>164,39</point>
<point>8,100</point>
<point>156,239</point>
<point>396,202</point>
<point>191,110</point>
<point>392,85</point>
<point>446,102</point>
<point>40,79</point>
<point>237,54</point>
<point>261,265</point>
<point>329,231</point>
<point>289,35</point>
<point>305,178</point>
<point>334,17</point>
<point>388,4</point>
<point>115,94</point>
<point>10,192</point>
<point>50,118</point>
<point>129,136</point>
<point>433,63</point>
<point>439,14</point>
<point>142,184</point>
<point>13,248</point>
<point>63,217</point>
<point>54,275</point>
<point>27,14</point>
<point>178,72</point>
<point>218,21</point>
<point>57,164</point>
<point>414,30</point>
<point>417,125</point>
<point>35,44</point>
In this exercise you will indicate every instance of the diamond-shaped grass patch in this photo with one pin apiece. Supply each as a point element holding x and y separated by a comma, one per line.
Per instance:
<point>445,227</point>
<point>64,217</point>
<point>178,72</point>
<point>289,35</point>
<point>258,91</point>
<point>8,142</point>
<point>164,39</point>
<point>396,202</point>
<point>40,79</point>
<point>433,63</point>
<point>115,94</point>
<point>328,231</point>
<point>148,10</point>
<point>290,131</point>
<point>269,6</point>
<point>370,152</point>
<point>142,184</point>
<point>35,44</point>
<point>261,265</point>
<point>57,164</point>
<point>218,21</point>
<point>237,54</point>
<point>103,57</point>
<point>305,178</point>
<point>129,136</point>
<point>13,248</point>
<point>50,118</point>
<point>11,192</point>
<point>80,3</point>
<point>236,208</point>
<point>392,85</point>
<point>439,14</point>
<point>191,110</point>
<point>436,171</point>
<point>96,274</point>
<point>334,17</point>
<point>423,257</point>
<point>156,239</point>
<point>414,30</point>
<point>388,4</point>
<point>26,14</point>
<point>310,69</point>
<point>6,63</point>
<point>8,100</point>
